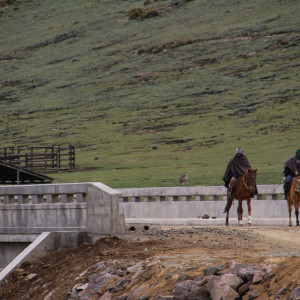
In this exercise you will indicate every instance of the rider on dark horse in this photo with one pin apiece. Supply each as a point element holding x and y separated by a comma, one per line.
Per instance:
<point>291,169</point>
<point>236,168</point>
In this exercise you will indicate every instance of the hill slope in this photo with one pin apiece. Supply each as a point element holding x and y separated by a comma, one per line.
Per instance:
<point>147,99</point>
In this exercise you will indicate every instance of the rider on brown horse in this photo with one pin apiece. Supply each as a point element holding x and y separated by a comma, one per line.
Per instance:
<point>291,169</point>
<point>236,168</point>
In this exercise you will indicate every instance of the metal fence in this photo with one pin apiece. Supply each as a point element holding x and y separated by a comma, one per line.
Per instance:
<point>49,158</point>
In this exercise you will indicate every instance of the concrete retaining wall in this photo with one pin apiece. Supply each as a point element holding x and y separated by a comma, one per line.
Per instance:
<point>75,210</point>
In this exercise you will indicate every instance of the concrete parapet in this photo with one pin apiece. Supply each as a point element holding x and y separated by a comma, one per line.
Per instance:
<point>192,193</point>
<point>103,210</point>
<point>33,209</point>
<point>197,209</point>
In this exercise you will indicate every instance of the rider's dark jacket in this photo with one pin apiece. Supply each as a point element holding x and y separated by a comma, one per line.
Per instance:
<point>236,167</point>
<point>290,166</point>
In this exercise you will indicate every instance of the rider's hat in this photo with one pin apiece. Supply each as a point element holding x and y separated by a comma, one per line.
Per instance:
<point>239,150</point>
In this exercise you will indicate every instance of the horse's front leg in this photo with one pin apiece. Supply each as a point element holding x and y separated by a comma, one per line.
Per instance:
<point>249,210</point>
<point>297,216</point>
<point>240,213</point>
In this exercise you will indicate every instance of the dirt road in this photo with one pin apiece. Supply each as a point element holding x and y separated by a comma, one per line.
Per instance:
<point>175,248</point>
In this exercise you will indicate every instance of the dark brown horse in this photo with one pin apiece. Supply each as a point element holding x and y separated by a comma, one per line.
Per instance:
<point>293,198</point>
<point>245,187</point>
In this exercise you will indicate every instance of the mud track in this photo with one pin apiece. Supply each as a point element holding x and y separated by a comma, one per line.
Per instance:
<point>177,249</point>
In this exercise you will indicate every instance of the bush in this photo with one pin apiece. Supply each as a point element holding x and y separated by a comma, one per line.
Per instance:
<point>139,13</point>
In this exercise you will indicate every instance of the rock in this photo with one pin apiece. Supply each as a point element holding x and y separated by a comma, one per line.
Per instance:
<point>96,283</point>
<point>136,293</point>
<point>145,297</point>
<point>17,272</point>
<point>135,268</point>
<point>49,296</point>
<point>201,293</point>
<point>253,295</point>
<point>121,285</point>
<point>137,275</point>
<point>124,297</point>
<point>258,276</point>
<point>31,276</point>
<point>282,292</point>
<point>183,277</point>
<point>244,288</point>
<point>267,268</point>
<point>181,289</point>
<point>295,294</point>
<point>106,296</point>
<point>224,287</point>
<point>245,271</point>
<point>214,270</point>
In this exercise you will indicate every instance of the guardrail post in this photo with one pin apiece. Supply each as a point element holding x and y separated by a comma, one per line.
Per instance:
<point>67,198</point>
<point>80,198</point>
<point>37,199</point>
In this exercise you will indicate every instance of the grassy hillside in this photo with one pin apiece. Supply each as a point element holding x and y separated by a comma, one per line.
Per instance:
<point>147,99</point>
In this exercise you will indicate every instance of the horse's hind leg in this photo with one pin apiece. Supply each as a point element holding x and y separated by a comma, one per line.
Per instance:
<point>227,208</point>
<point>240,213</point>
<point>289,202</point>
<point>249,210</point>
<point>296,206</point>
<point>297,216</point>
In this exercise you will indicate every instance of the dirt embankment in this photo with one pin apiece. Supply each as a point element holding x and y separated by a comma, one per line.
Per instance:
<point>177,250</point>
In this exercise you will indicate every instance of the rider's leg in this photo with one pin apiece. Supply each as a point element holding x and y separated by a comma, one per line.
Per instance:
<point>286,186</point>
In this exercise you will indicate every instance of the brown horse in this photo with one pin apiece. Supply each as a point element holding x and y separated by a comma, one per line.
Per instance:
<point>293,198</point>
<point>243,191</point>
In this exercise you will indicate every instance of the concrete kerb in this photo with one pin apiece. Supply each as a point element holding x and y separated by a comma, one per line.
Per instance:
<point>140,225</point>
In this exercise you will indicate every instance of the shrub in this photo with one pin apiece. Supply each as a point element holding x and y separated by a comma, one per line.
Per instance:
<point>139,13</point>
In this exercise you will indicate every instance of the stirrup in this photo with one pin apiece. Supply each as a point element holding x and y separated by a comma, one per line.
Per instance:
<point>284,197</point>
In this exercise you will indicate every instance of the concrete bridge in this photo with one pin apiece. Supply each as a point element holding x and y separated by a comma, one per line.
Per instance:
<point>187,205</point>
<point>37,219</point>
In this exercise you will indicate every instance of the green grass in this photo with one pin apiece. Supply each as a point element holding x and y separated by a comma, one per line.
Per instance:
<point>224,74</point>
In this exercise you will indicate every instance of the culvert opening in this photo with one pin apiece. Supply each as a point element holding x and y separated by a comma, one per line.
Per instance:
<point>146,228</point>
<point>132,228</point>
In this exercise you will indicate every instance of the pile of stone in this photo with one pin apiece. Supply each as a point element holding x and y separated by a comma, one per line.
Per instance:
<point>232,282</point>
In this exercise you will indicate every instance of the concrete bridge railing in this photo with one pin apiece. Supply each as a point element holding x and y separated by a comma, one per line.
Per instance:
<point>74,213</point>
<point>32,209</point>
<point>187,205</point>
<point>193,193</point>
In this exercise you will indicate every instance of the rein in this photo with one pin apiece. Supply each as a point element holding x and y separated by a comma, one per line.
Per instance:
<point>245,184</point>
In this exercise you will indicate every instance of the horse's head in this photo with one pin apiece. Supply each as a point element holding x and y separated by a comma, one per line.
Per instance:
<point>251,179</point>
<point>297,184</point>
